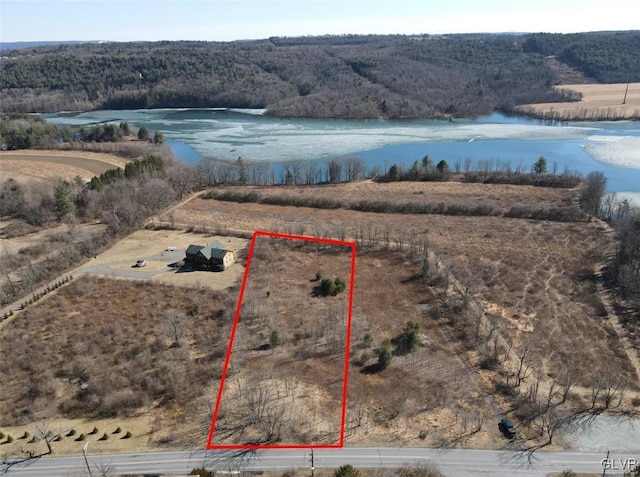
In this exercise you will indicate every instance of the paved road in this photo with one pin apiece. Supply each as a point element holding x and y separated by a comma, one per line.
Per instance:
<point>453,463</point>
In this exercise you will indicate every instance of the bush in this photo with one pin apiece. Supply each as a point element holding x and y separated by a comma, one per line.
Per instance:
<point>104,437</point>
<point>127,435</point>
<point>117,431</point>
<point>79,438</point>
<point>93,431</point>
<point>327,287</point>
<point>346,471</point>
<point>201,472</point>
<point>72,432</point>
<point>384,356</point>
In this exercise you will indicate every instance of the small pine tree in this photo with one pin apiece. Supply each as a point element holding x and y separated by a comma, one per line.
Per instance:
<point>274,339</point>
<point>143,134</point>
<point>339,285</point>
<point>540,166</point>
<point>346,471</point>
<point>384,355</point>
<point>327,287</point>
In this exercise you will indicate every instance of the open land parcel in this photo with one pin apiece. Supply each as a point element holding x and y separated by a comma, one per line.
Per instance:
<point>158,357</point>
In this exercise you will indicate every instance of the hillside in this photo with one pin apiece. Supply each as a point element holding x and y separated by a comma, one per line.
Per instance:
<point>333,76</point>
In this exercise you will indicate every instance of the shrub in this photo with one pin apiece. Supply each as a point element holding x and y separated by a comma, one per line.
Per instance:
<point>367,341</point>
<point>93,431</point>
<point>72,432</point>
<point>117,431</point>
<point>339,285</point>
<point>327,287</point>
<point>24,436</point>
<point>79,438</point>
<point>201,472</point>
<point>127,435</point>
<point>346,471</point>
<point>104,437</point>
<point>384,356</point>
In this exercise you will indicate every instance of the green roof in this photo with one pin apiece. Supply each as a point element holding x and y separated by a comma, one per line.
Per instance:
<point>193,249</point>
<point>209,251</point>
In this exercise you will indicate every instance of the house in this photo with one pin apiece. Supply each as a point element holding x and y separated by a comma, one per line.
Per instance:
<point>213,256</point>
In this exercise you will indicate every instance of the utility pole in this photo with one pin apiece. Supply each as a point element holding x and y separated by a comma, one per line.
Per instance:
<point>624,101</point>
<point>312,466</point>
<point>606,464</point>
<point>86,461</point>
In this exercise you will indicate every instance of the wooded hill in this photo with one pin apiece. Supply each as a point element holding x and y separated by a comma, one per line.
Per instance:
<point>351,76</point>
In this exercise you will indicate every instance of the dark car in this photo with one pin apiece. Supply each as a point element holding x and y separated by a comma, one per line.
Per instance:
<point>506,427</point>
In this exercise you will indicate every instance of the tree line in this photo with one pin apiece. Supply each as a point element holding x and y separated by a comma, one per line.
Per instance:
<point>28,131</point>
<point>352,76</point>
<point>485,172</point>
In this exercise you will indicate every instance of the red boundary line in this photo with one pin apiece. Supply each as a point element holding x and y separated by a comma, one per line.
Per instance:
<point>236,318</point>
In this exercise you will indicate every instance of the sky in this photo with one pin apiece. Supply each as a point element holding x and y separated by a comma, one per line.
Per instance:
<point>225,20</point>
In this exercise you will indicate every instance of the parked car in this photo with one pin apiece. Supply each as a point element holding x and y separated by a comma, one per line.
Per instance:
<point>506,427</point>
<point>140,263</point>
<point>171,248</point>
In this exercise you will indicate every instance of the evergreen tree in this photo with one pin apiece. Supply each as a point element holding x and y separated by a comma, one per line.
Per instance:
<point>346,471</point>
<point>143,134</point>
<point>540,167</point>
<point>62,204</point>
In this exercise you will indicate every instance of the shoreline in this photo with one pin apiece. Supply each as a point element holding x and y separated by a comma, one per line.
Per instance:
<point>534,112</point>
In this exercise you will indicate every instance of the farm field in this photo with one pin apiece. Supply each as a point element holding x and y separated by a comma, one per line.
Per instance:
<point>599,101</point>
<point>476,288</point>
<point>25,165</point>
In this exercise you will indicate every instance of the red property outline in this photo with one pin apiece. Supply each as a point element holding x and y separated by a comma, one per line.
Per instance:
<point>340,444</point>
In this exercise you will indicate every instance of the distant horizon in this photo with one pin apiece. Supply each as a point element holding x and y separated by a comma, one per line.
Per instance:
<point>515,33</point>
<point>239,20</point>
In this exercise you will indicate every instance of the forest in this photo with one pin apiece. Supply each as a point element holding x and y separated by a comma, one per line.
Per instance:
<point>348,76</point>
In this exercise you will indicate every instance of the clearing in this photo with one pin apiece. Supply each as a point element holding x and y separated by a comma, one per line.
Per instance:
<point>599,101</point>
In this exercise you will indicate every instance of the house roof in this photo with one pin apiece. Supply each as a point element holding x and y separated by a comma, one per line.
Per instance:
<point>193,249</point>
<point>211,250</point>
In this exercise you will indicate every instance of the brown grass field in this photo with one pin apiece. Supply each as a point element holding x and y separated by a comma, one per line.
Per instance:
<point>153,367</point>
<point>533,276</point>
<point>599,101</point>
<point>28,165</point>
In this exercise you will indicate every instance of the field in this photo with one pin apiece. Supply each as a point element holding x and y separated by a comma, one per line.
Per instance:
<point>25,165</point>
<point>486,293</point>
<point>599,101</point>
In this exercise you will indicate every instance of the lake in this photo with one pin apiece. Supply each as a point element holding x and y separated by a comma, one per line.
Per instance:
<point>610,147</point>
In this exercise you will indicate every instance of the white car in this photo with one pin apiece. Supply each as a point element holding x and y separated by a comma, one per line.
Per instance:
<point>140,263</point>
<point>171,248</point>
